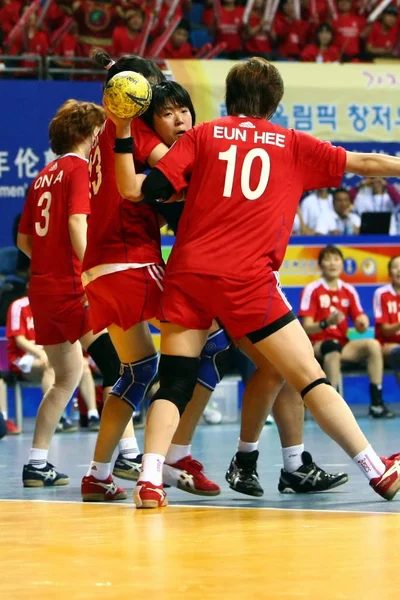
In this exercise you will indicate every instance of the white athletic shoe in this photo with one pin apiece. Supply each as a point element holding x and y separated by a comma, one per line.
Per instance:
<point>212,415</point>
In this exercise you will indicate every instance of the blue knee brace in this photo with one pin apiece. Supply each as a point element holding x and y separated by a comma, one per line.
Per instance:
<point>395,359</point>
<point>135,380</point>
<point>209,374</point>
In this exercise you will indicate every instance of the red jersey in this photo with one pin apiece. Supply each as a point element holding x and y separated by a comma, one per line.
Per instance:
<point>119,231</point>
<point>259,43</point>
<point>318,301</point>
<point>312,53</point>
<point>386,310</point>
<point>60,190</point>
<point>10,15</point>
<point>96,22</point>
<point>123,43</point>
<point>292,35</point>
<point>68,47</point>
<point>19,322</point>
<point>38,44</point>
<point>348,29</point>
<point>229,29</point>
<point>184,51</point>
<point>208,16</point>
<point>246,179</point>
<point>378,38</point>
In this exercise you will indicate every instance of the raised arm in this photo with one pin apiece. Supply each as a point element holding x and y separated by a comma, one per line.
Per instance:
<point>372,165</point>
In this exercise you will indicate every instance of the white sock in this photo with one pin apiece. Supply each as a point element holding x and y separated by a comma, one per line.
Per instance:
<point>176,452</point>
<point>93,412</point>
<point>151,471</point>
<point>99,470</point>
<point>5,415</point>
<point>292,457</point>
<point>128,447</point>
<point>38,458</point>
<point>246,446</point>
<point>370,463</point>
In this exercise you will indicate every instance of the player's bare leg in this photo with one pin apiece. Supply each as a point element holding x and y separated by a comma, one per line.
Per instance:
<point>66,360</point>
<point>138,357</point>
<point>330,364</point>
<point>180,351</point>
<point>370,351</point>
<point>290,351</point>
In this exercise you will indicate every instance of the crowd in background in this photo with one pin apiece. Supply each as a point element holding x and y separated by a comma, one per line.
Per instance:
<point>340,211</point>
<point>306,30</point>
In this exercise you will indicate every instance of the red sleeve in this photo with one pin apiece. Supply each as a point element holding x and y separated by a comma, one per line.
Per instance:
<point>308,54</point>
<point>145,140</point>
<point>178,163</point>
<point>27,217</point>
<point>16,324</point>
<point>309,302</point>
<point>319,163</point>
<point>371,39</point>
<point>381,314</point>
<point>208,17</point>
<point>355,308</point>
<point>78,190</point>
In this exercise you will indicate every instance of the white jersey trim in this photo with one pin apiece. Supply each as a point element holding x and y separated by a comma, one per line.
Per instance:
<point>16,310</point>
<point>92,274</point>
<point>377,301</point>
<point>72,154</point>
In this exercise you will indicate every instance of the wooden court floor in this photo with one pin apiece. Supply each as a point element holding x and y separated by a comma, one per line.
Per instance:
<point>340,545</point>
<point>66,550</point>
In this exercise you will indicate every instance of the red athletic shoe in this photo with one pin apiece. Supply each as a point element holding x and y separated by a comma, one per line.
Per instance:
<point>394,456</point>
<point>12,429</point>
<point>148,495</point>
<point>97,490</point>
<point>388,484</point>
<point>188,475</point>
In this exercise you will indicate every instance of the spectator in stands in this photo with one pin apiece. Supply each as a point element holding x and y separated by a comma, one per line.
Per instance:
<point>387,317</point>
<point>229,29</point>
<point>258,35</point>
<point>178,45</point>
<point>10,13</point>
<point>208,16</point>
<point>29,361</point>
<point>383,37</point>
<point>96,20</point>
<point>316,11</point>
<point>299,225</point>
<point>315,206</point>
<point>323,49</point>
<point>292,33</point>
<point>127,39</point>
<point>31,41</point>
<point>376,195</point>
<point>350,29</point>
<point>325,307</point>
<point>68,47</point>
<point>341,220</point>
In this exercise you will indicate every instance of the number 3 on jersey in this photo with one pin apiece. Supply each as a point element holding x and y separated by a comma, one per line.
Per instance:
<point>42,226</point>
<point>230,156</point>
<point>95,161</point>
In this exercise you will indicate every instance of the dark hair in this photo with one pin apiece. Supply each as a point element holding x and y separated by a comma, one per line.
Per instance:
<point>253,88</point>
<point>327,251</point>
<point>130,62</point>
<point>168,93</point>
<point>73,123</point>
<point>324,27</point>
<point>340,191</point>
<point>391,261</point>
<point>184,24</point>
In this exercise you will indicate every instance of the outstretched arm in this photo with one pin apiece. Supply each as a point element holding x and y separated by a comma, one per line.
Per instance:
<point>372,165</point>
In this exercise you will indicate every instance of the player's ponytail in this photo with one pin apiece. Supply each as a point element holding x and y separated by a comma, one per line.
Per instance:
<point>102,59</point>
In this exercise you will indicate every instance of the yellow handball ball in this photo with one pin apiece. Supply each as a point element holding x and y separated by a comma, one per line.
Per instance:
<point>127,94</point>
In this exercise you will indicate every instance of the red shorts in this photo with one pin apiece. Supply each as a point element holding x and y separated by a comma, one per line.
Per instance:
<point>194,300</point>
<point>125,298</point>
<point>59,319</point>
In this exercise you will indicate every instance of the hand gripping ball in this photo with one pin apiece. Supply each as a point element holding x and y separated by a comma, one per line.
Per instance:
<point>127,94</point>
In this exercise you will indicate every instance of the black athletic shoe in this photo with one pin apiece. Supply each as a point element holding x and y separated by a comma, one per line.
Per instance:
<point>33,477</point>
<point>94,424</point>
<point>127,468</point>
<point>66,426</point>
<point>309,478</point>
<point>380,411</point>
<point>242,474</point>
